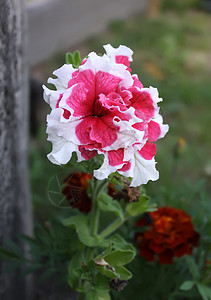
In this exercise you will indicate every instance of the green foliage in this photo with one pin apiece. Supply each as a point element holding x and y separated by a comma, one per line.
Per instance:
<point>204,291</point>
<point>87,166</point>
<point>83,275</point>
<point>50,249</point>
<point>137,208</point>
<point>74,270</point>
<point>8,255</point>
<point>106,203</point>
<point>111,263</point>
<point>101,283</point>
<point>119,257</point>
<point>119,272</point>
<point>81,226</point>
<point>73,59</point>
<point>108,272</point>
<point>119,242</point>
<point>83,270</point>
<point>94,294</point>
<point>192,267</point>
<point>123,273</point>
<point>180,5</point>
<point>187,285</point>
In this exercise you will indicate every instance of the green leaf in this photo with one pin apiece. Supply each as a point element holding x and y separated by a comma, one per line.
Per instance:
<point>187,285</point>
<point>69,58</point>
<point>137,208</point>
<point>116,242</point>
<point>204,291</point>
<point>123,273</point>
<point>116,179</point>
<point>97,295</point>
<point>77,59</point>
<point>101,283</point>
<point>119,257</point>
<point>120,272</point>
<point>87,166</point>
<point>107,271</point>
<point>106,203</point>
<point>119,243</point>
<point>106,252</point>
<point>92,295</point>
<point>14,247</point>
<point>103,296</point>
<point>8,255</point>
<point>74,270</point>
<point>80,223</point>
<point>192,267</point>
<point>42,235</point>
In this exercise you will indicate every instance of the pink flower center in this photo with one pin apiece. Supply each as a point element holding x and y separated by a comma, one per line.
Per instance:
<point>105,104</point>
<point>98,109</point>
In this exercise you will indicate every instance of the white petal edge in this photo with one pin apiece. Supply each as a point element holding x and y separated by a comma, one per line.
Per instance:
<point>143,170</point>
<point>121,50</point>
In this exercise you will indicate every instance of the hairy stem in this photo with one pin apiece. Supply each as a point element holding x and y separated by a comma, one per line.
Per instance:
<point>95,219</point>
<point>111,228</point>
<point>81,297</point>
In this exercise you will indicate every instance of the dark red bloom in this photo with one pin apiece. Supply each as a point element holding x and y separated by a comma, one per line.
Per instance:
<point>75,190</point>
<point>170,234</point>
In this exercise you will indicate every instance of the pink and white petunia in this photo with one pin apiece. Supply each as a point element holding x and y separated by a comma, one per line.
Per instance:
<point>101,108</point>
<point>121,55</point>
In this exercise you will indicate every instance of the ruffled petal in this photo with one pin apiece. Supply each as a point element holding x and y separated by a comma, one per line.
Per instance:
<point>120,55</point>
<point>63,76</point>
<point>143,170</point>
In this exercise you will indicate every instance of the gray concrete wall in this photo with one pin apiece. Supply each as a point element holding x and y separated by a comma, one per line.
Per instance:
<point>55,25</point>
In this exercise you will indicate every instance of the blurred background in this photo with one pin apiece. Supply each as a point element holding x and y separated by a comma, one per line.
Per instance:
<point>172,51</point>
<point>171,41</point>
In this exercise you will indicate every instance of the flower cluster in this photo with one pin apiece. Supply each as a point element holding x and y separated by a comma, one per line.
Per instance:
<point>101,108</point>
<point>171,233</point>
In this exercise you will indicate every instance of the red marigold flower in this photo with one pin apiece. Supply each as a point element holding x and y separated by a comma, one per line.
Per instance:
<point>75,190</point>
<point>170,234</point>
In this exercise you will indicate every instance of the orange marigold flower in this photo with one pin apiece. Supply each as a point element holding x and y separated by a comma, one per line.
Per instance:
<point>75,190</point>
<point>171,233</point>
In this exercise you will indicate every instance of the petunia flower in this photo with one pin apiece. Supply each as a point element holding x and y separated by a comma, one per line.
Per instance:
<point>170,233</point>
<point>101,108</point>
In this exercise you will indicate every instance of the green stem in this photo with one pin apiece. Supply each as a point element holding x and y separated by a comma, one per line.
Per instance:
<point>81,297</point>
<point>111,228</point>
<point>95,220</point>
<point>97,187</point>
<point>90,253</point>
<point>100,184</point>
<point>93,228</point>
